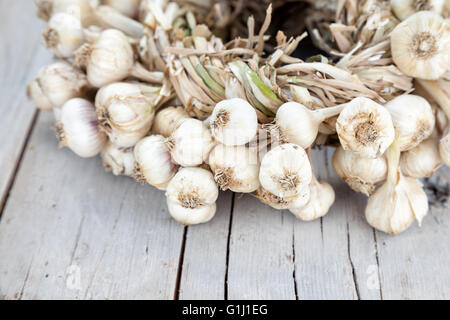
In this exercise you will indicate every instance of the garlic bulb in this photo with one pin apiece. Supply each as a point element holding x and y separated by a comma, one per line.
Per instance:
<point>281,203</point>
<point>126,110</point>
<point>168,119</point>
<point>153,163</point>
<point>365,127</point>
<point>128,8</point>
<point>235,168</point>
<point>399,201</point>
<point>55,84</point>
<point>320,200</point>
<point>444,149</point>
<point>111,59</point>
<point>191,196</point>
<point>420,45</point>
<point>285,170</point>
<point>78,128</point>
<point>421,161</point>
<point>82,9</point>
<point>233,122</point>
<point>405,8</point>
<point>413,119</point>
<point>297,124</point>
<point>361,174</point>
<point>64,34</point>
<point>190,143</point>
<point>117,159</point>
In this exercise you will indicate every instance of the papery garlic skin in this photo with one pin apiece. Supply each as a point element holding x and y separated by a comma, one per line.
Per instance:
<point>127,7</point>
<point>55,84</point>
<point>413,119</point>
<point>405,8</point>
<point>420,45</point>
<point>126,111</point>
<point>117,159</point>
<point>444,149</point>
<point>191,196</point>
<point>190,143</point>
<point>421,161</point>
<point>234,122</point>
<point>360,174</point>
<point>321,199</point>
<point>235,168</point>
<point>285,170</point>
<point>153,163</point>
<point>281,203</point>
<point>64,34</point>
<point>365,127</point>
<point>78,128</point>
<point>168,120</point>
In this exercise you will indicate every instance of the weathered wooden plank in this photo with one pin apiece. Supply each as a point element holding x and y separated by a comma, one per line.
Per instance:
<point>416,263</point>
<point>21,56</point>
<point>70,230</point>
<point>333,254</point>
<point>204,264</point>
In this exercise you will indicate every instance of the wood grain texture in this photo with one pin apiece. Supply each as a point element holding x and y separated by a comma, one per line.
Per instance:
<point>72,231</point>
<point>21,56</point>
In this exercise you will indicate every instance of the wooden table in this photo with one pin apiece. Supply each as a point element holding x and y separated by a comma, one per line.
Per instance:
<point>71,230</point>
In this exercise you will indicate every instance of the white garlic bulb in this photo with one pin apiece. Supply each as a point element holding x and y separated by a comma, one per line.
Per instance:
<point>285,170</point>
<point>153,163</point>
<point>190,143</point>
<point>64,34</point>
<point>191,196</point>
<point>78,128</point>
<point>111,59</point>
<point>168,119</point>
<point>55,84</point>
<point>405,8</point>
<point>82,9</point>
<point>444,149</point>
<point>365,127</point>
<point>235,168</point>
<point>117,159</point>
<point>421,161</point>
<point>128,8</point>
<point>399,201</point>
<point>320,200</point>
<point>413,119</point>
<point>297,124</point>
<point>281,203</point>
<point>361,174</point>
<point>420,45</point>
<point>234,122</point>
<point>126,111</point>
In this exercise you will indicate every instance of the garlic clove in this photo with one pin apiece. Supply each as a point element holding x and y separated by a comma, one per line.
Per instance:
<point>285,170</point>
<point>413,119</point>
<point>153,163</point>
<point>365,127</point>
<point>55,84</point>
<point>321,199</point>
<point>421,161</point>
<point>78,128</point>
<point>281,203</point>
<point>234,122</point>
<point>405,8</point>
<point>360,174</point>
<point>444,149</point>
<point>117,159</point>
<point>235,168</point>
<point>168,120</point>
<point>190,143</point>
<point>420,45</point>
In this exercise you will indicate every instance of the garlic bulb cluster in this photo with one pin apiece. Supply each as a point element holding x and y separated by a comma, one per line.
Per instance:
<point>191,196</point>
<point>153,163</point>
<point>421,161</point>
<point>168,119</point>
<point>361,174</point>
<point>55,84</point>
<point>413,119</point>
<point>420,45</point>
<point>365,127</point>
<point>78,128</point>
<point>118,160</point>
